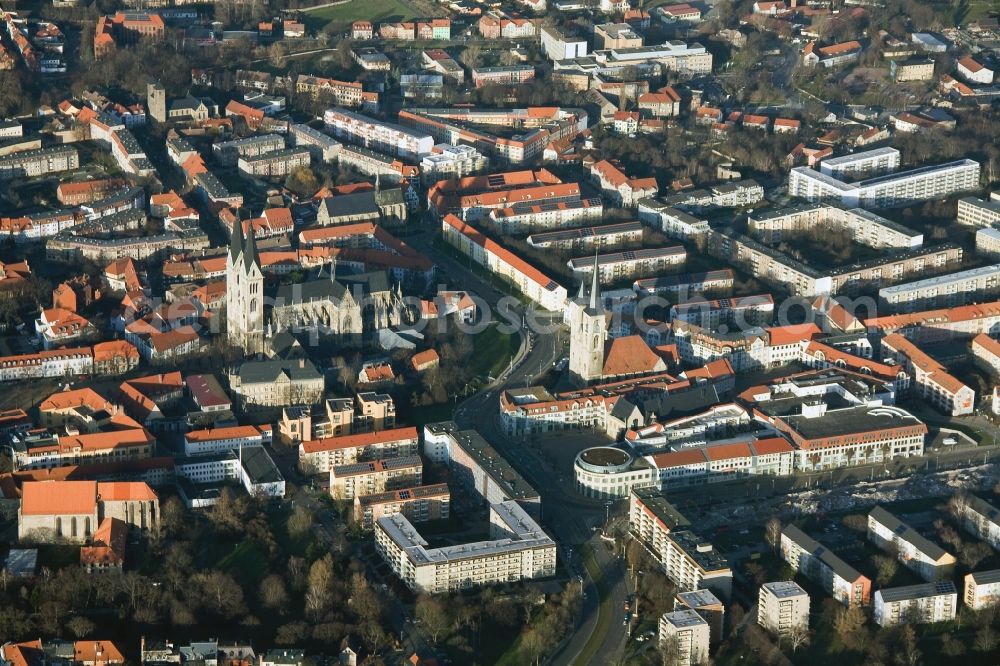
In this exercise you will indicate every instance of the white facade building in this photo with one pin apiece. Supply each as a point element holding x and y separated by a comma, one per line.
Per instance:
<point>782,607</point>
<point>690,632</point>
<point>916,604</point>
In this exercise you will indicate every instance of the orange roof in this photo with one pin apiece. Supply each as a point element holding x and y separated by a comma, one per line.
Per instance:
<point>928,365</point>
<point>771,445</point>
<point>423,358</point>
<point>108,548</point>
<point>375,373</point>
<point>84,397</point>
<point>46,498</point>
<point>233,432</point>
<point>728,451</point>
<point>786,122</point>
<point>630,355</point>
<point>788,335</point>
<point>970,64</point>
<point>987,343</point>
<point>679,458</point>
<point>717,368</point>
<point>358,440</point>
<point>125,491</point>
<point>931,317</point>
<point>837,49</point>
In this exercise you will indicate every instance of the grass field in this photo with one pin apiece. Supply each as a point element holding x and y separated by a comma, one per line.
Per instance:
<point>604,613</point>
<point>341,16</point>
<point>493,351</point>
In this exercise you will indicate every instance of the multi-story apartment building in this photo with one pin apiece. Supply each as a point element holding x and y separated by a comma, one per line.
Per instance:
<point>617,266</point>
<point>389,170</point>
<point>986,353</point>
<point>824,568</point>
<point>322,147</point>
<point>982,589</point>
<point>930,326</point>
<point>448,161</point>
<point>902,188</point>
<point>531,282</point>
<point>988,242</point>
<point>671,221</point>
<point>755,310</point>
<point>866,227</point>
<point>943,291</point>
<point>606,235</point>
<point>707,605</point>
<point>39,162</point>
<point>688,561</point>
<point>351,480</point>
<point>557,45</point>
<point>916,604</point>
<point>511,75</point>
<point>690,634</point>
<point>228,153</point>
<point>979,518</point>
<point>676,56</point>
<point>348,94</point>
<point>478,466</point>
<point>933,381</point>
<point>419,504</point>
<point>911,69</point>
<point>518,549</point>
<point>277,383</point>
<point>711,463</point>
<point>865,163</point>
<point>220,440</point>
<point>115,357</point>
<point>662,103</point>
<point>687,284</point>
<point>916,552</point>
<point>378,135</point>
<point>559,212</point>
<point>321,455</point>
<point>783,607</point>
<point>275,164</point>
<point>978,212</point>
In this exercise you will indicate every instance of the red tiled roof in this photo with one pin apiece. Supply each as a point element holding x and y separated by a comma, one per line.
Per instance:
<point>45,498</point>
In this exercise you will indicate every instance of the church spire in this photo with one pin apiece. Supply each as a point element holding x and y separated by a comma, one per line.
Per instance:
<point>595,285</point>
<point>250,256</point>
<point>236,241</point>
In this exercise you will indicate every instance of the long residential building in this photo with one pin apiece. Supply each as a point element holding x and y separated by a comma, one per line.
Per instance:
<point>606,235</point>
<point>978,212</point>
<point>866,227</point>
<point>31,163</point>
<point>823,567</point>
<point>275,164</point>
<point>616,266</point>
<point>103,358</point>
<point>889,190</point>
<point>918,553</point>
<point>916,604</point>
<point>351,480</point>
<point>982,589</point>
<point>221,440</point>
<point>527,279</point>
<point>348,94</point>
<point>321,455</point>
<point>975,284</point>
<point>979,518</point>
<point>518,549</point>
<point>478,466</point>
<point>378,135</point>
<point>30,452</point>
<point>228,153</point>
<point>663,531</point>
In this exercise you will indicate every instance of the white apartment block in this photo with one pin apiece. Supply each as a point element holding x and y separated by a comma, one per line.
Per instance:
<point>981,519</point>
<point>351,480</point>
<point>274,164</point>
<point>691,633</point>
<point>671,221</point>
<point>916,604</point>
<point>974,71</point>
<point>630,264</point>
<point>933,381</point>
<point>982,589</point>
<point>448,161</point>
<point>895,189</point>
<point>605,235</point>
<point>322,147</point>
<point>531,282</point>
<point>865,163</point>
<point>518,549</point>
<point>782,607</point>
<point>228,153</point>
<point>866,227</point>
<point>943,291</point>
<point>557,214</point>
<point>921,555</point>
<point>220,440</point>
<point>558,46</point>
<point>986,353</point>
<point>988,242</point>
<point>687,560</point>
<point>378,135</point>
<point>823,567</point>
<point>978,212</point>
<point>29,163</point>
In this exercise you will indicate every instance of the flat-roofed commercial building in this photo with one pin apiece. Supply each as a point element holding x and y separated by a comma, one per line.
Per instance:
<point>982,589</point>
<point>690,634</point>
<point>518,549</point>
<point>902,188</point>
<point>419,504</point>
<point>916,552</point>
<point>916,604</point>
<point>783,607</point>
<point>823,567</point>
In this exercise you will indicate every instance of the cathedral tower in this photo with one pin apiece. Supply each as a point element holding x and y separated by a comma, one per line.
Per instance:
<point>588,330</point>
<point>244,292</point>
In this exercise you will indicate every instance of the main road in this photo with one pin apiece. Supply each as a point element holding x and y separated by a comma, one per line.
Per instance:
<point>571,519</point>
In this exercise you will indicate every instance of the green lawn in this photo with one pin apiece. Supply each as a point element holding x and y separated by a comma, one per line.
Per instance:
<point>341,16</point>
<point>246,562</point>
<point>492,351</point>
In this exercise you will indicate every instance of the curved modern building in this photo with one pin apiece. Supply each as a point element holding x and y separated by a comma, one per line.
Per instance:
<point>608,472</point>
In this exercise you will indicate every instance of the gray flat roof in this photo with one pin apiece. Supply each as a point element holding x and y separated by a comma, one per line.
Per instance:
<point>890,594</point>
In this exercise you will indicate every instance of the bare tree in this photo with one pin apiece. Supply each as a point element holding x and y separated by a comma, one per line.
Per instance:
<point>273,593</point>
<point>318,592</point>
<point>797,637</point>
<point>434,615</point>
<point>772,532</point>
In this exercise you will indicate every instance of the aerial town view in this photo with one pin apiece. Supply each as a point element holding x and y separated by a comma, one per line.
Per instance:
<point>499,332</point>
